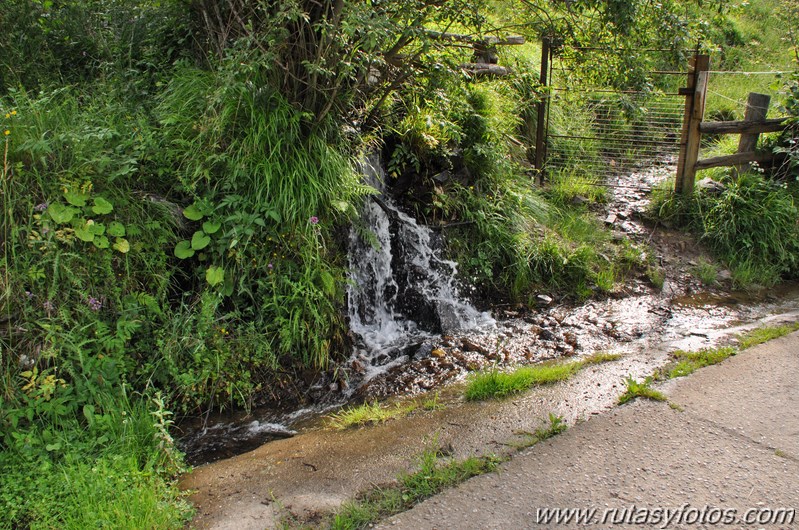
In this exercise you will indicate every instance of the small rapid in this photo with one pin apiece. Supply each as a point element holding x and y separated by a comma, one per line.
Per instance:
<point>402,291</point>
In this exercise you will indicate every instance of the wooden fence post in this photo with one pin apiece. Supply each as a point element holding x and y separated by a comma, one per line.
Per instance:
<point>540,133</point>
<point>756,110</point>
<point>691,135</point>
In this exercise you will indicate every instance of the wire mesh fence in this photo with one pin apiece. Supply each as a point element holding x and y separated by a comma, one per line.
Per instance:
<point>599,133</point>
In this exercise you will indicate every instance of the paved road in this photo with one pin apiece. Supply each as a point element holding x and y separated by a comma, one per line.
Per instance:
<point>733,446</point>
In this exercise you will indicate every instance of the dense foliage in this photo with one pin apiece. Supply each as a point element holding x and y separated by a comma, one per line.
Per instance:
<point>178,179</point>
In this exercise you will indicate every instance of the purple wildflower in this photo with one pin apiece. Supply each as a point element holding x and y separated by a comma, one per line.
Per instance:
<point>270,266</point>
<point>29,295</point>
<point>94,304</point>
<point>41,207</point>
<point>314,220</point>
<point>48,306</point>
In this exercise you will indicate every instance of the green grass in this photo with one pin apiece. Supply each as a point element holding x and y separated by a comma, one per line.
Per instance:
<point>706,272</point>
<point>367,414</point>
<point>641,389</point>
<point>495,384</point>
<point>689,362</point>
<point>765,334</point>
<point>433,476</point>
<point>555,426</point>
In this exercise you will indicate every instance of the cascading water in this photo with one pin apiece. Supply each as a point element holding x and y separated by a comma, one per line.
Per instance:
<point>402,292</point>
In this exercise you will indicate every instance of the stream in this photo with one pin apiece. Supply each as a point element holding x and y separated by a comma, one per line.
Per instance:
<point>416,333</point>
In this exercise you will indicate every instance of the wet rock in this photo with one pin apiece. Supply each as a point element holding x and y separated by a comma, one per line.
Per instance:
<point>425,350</point>
<point>535,330</point>
<point>546,335</point>
<point>438,353</point>
<point>544,299</point>
<point>564,349</point>
<point>571,339</point>
<point>358,367</point>
<point>471,346</point>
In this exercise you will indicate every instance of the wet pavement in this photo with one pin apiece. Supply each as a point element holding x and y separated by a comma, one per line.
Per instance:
<point>726,453</point>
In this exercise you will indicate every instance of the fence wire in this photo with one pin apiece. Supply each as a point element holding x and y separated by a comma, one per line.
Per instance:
<point>600,135</point>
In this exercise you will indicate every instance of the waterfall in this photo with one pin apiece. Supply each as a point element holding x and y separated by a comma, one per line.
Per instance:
<point>402,291</point>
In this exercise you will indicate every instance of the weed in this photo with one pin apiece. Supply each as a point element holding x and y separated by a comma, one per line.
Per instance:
<point>496,384</point>
<point>367,414</point>
<point>706,271</point>
<point>765,334</point>
<point>432,477</point>
<point>432,403</point>
<point>656,277</point>
<point>599,358</point>
<point>555,426</point>
<point>642,389</point>
<point>689,362</point>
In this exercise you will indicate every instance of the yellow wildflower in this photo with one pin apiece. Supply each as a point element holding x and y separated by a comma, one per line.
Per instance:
<point>13,113</point>
<point>6,132</point>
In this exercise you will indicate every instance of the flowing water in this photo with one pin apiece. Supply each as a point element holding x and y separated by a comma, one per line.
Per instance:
<point>402,292</point>
<point>413,332</point>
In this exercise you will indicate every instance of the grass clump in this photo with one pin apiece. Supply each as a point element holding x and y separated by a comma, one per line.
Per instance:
<point>765,334</point>
<point>689,362</point>
<point>555,426</point>
<point>642,389</point>
<point>432,477</point>
<point>367,414</point>
<point>495,384</point>
<point>750,225</point>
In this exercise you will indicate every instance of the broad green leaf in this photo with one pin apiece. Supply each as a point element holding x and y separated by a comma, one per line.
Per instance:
<point>199,240</point>
<point>214,275</point>
<point>116,229</point>
<point>97,229</point>
<point>122,245</point>
<point>76,199</point>
<point>102,206</point>
<point>211,227</point>
<point>53,447</point>
<point>84,233</point>
<point>101,242</point>
<point>88,412</point>
<point>274,215</point>
<point>61,214</point>
<point>183,250</point>
<point>193,213</point>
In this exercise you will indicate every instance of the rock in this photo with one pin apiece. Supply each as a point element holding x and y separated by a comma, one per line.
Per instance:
<point>536,330</point>
<point>710,185</point>
<point>610,219</point>
<point>471,346</point>
<point>442,177</point>
<point>547,335</point>
<point>438,353</point>
<point>571,339</point>
<point>544,299</point>
<point>425,350</point>
<point>358,367</point>
<point>724,275</point>
<point>579,200</point>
